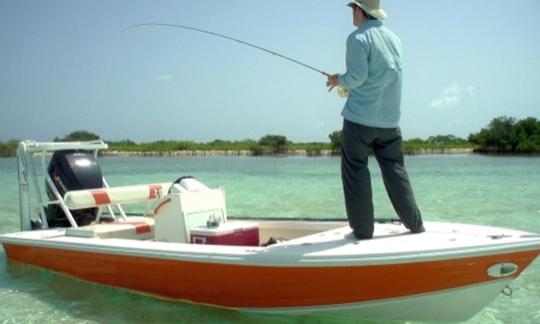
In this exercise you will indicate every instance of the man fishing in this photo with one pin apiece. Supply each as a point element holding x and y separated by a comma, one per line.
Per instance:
<point>371,121</point>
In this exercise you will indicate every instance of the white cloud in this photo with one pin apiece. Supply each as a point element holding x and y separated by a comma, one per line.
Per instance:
<point>165,77</point>
<point>453,96</point>
<point>320,125</point>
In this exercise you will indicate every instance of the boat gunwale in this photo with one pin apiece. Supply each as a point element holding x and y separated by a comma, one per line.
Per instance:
<point>256,256</point>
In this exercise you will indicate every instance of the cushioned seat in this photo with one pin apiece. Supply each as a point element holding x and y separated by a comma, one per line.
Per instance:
<point>136,228</point>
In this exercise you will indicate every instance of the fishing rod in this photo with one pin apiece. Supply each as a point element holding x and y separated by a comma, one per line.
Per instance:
<point>228,38</point>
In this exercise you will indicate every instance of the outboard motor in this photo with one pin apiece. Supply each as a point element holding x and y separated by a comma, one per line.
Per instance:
<point>72,170</point>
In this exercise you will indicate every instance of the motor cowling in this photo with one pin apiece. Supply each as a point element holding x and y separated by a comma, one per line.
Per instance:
<point>72,170</point>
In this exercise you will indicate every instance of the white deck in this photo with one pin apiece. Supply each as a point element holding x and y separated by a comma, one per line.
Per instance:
<point>392,243</point>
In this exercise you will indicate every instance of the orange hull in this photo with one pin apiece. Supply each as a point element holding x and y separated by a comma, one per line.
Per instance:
<point>252,286</point>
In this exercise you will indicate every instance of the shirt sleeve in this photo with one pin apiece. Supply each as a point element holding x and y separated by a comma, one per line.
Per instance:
<point>357,65</point>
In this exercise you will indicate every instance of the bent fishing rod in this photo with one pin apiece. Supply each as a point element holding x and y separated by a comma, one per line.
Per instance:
<point>225,37</point>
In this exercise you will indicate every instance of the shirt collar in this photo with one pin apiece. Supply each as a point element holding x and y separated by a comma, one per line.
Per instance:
<point>370,23</point>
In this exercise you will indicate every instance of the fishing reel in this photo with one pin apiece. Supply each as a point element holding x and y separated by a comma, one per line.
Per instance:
<point>342,92</point>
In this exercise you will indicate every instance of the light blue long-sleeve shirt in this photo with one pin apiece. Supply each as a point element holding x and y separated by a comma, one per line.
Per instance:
<point>373,77</point>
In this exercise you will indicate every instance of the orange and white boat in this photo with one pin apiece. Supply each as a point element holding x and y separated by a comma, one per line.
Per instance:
<point>185,247</point>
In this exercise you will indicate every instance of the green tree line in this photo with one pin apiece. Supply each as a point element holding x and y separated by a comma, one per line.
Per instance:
<point>9,148</point>
<point>502,135</point>
<point>509,135</point>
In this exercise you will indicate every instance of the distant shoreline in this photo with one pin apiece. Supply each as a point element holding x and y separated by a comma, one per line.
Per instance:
<point>321,153</point>
<point>292,153</point>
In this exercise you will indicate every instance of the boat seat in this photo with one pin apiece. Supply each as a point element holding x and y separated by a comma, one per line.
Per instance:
<point>135,228</point>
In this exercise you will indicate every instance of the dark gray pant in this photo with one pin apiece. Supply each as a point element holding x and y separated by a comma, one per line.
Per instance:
<point>386,144</point>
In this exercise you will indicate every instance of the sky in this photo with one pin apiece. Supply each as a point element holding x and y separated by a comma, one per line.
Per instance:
<point>68,65</point>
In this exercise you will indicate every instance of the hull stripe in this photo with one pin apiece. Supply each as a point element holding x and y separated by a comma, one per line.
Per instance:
<point>101,197</point>
<point>266,286</point>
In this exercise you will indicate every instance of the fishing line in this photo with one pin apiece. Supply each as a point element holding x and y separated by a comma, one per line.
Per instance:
<point>211,33</point>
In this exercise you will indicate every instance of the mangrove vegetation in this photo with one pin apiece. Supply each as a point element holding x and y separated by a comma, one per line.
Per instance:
<point>8,149</point>
<point>505,135</point>
<point>508,135</point>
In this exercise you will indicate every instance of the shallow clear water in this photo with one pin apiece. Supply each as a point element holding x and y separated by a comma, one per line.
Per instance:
<point>487,190</point>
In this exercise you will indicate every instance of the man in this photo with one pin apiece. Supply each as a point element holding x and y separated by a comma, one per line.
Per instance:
<point>371,121</point>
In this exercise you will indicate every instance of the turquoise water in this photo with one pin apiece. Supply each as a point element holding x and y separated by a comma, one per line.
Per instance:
<point>487,190</point>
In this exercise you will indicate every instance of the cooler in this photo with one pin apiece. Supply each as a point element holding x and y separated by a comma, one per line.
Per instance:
<point>230,233</point>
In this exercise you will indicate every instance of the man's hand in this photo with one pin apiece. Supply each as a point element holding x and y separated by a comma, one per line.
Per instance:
<point>332,81</point>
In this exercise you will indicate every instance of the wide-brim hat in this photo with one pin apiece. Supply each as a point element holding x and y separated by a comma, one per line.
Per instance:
<point>372,7</point>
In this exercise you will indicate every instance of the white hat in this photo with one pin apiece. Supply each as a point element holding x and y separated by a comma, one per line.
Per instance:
<point>372,7</point>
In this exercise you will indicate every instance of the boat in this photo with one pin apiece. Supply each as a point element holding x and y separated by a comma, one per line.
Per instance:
<point>183,246</point>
